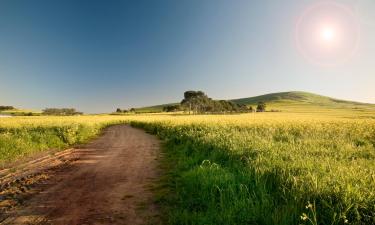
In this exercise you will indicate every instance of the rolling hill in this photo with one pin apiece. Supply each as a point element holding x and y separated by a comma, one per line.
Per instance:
<point>300,100</point>
<point>154,109</point>
<point>292,101</point>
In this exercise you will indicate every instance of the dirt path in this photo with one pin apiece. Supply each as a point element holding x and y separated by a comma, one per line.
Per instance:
<point>109,183</point>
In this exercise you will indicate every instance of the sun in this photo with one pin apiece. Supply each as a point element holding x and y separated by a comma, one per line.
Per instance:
<point>327,34</point>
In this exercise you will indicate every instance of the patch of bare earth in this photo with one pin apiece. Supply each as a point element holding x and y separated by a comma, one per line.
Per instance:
<point>104,182</point>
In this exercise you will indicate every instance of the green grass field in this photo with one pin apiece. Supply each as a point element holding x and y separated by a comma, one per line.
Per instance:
<point>268,169</point>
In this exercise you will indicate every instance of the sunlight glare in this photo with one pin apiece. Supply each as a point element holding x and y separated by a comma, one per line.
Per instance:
<point>327,34</point>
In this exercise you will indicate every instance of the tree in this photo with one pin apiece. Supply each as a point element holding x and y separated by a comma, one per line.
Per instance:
<point>199,102</point>
<point>4,108</point>
<point>194,94</point>
<point>261,107</point>
<point>118,110</point>
<point>194,101</point>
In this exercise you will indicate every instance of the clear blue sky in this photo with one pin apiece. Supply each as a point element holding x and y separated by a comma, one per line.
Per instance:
<point>99,55</point>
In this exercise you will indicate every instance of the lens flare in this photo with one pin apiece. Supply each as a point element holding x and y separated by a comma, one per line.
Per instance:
<point>327,34</point>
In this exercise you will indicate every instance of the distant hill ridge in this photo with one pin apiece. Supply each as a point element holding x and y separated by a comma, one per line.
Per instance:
<point>290,101</point>
<point>295,96</point>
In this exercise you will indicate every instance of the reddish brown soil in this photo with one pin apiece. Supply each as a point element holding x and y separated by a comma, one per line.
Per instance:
<point>108,183</point>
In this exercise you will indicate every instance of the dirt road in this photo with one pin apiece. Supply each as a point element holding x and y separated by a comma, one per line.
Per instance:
<point>109,183</point>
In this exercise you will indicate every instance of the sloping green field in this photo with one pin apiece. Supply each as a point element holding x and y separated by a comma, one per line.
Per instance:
<point>307,102</point>
<point>294,101</point>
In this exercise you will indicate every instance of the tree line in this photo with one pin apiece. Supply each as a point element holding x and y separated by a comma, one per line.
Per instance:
<point>5,107</point>
<point>119,110</point>
<point>61,112</point>
<point>47,111</point>
<point>198,102</point>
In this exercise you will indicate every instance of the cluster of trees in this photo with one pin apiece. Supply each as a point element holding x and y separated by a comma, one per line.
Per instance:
<point>118,110</point>
<point>4,108</point>
<point>172,108</point>
<point>199,102</point>
<point>61,112</point>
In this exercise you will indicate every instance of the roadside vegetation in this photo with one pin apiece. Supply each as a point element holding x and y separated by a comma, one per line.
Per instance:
<point>283,169</point>
<point>21,137</point>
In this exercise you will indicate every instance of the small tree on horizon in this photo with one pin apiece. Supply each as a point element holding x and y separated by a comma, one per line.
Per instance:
<point>261,107</point>
<point>4,108</point>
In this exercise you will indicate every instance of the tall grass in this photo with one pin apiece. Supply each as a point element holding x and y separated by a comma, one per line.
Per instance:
<point>23,136</point>
<point>266,168</point>
<point>269,171</point>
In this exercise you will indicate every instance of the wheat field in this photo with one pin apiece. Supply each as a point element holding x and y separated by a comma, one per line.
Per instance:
<point>257,168</point>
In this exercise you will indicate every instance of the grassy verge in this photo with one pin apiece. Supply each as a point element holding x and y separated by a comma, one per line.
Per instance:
<point>303,174</point>
<point>25,140</point>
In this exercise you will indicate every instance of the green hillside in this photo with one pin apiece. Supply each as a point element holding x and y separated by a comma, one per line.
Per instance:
<point>295,96</point>
<point>153,109</point>
<point>294,101</point>
<point>303,101</point>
